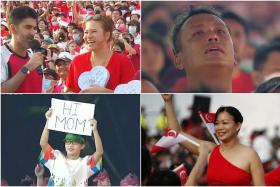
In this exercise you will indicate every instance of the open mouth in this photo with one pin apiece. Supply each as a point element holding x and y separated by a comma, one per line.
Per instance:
<point>213,49</point>
<point>221,134</point>
<point>90,42</point>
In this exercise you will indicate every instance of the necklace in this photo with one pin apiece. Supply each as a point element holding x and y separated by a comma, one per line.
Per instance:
<point>105,61</point>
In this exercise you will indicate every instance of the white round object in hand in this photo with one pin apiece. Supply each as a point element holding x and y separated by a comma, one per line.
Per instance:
<point>98,75</point>
<point>132,87</point>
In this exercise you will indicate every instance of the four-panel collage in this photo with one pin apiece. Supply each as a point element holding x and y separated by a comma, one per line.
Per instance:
<point>140,93</point>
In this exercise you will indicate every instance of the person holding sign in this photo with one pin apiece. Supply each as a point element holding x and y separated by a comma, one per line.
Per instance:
<point>100,70</point>
<point>70,169</point>
<point>230,163</point>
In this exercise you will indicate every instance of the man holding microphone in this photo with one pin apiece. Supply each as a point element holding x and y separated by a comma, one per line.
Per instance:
<point>18,68</point>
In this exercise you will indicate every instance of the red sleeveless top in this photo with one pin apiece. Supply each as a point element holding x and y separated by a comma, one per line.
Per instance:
<point>221,172</point>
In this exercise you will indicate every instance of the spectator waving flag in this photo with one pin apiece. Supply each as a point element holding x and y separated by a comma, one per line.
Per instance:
<point>209,121</point>
<point>64,21</point>
<point>170,138</point>
<point>182,173</point>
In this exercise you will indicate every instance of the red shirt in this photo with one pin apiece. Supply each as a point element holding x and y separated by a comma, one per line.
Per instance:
<point>243,83</point>
<point>223,173</point>
<point>273,177</point>
<point>135,59</point>
<point>13,63</point>
<point>119,66</point>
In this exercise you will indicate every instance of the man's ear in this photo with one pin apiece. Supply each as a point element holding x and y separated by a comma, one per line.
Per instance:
<point>257,78</point>
<point>12,28</point>
<point>179,64</point>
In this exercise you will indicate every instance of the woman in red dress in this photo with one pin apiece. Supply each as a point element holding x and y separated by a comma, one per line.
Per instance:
<point>98,36</point>
<point>230,163</point>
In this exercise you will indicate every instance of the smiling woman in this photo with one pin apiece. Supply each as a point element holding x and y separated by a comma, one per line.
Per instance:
<point>98,37</point>
<point>230,163</point>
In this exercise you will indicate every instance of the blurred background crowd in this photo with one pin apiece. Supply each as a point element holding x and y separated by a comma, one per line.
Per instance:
<point>60,31</point>
<point>254,27</point>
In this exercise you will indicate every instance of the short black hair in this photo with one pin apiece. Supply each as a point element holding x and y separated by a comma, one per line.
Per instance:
<point>20,13</point>
<point>262,54</point>
<point>80,29</point>
<point>234,112</point>
<point>183,18</point>
<point>233,16</point>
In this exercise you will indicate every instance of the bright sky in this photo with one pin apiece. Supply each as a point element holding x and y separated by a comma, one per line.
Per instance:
<point>259,110</point>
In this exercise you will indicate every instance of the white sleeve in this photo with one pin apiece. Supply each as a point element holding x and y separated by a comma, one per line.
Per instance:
<point>5,55</point>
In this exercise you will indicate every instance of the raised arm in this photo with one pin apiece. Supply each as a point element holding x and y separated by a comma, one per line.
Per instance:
<point>44,141</point>
<point>174,124</point>
<point>198,169</point>
<point>98,144</point>
<point>39,172</point>
<point>256,169</point>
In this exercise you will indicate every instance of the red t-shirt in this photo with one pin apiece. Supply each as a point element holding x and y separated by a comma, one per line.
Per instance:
<point>12,63</point>
<point>120,69</point>
<point>135,59</point>
<point>243,83</point>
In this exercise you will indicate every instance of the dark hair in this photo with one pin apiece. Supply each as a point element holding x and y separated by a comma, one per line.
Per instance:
<point>72,24</point>
<point>64,29</point>
<point>262,54</point>
<point>20,13</point>
<point>43,20</point>
<point>80,29</point>
<point>154,39</point>
<point>182,19</point>
<point>237,117</point>
<point>150,7</point>
<point>120,44</point>
<point>146,163</point>
<point>136,15</point>
<point>118,10</point>
<point>106,22</point>
<point>233,16</point>
<point>164,178</point>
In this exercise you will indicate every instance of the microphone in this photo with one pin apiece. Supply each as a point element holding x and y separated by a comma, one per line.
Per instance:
<point>36,47</point>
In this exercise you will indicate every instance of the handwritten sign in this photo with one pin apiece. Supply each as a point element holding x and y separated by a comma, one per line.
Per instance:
<point>71,116</point>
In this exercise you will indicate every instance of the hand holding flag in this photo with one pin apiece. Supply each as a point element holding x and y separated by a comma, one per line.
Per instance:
<point>208,120</point>
<point>170,138</point>
<point>182,173</point>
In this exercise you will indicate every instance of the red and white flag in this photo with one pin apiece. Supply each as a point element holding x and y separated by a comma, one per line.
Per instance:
<point>170,138</point>
<point>64,21</point>
<point>209,121</point>
<point>182,173</point>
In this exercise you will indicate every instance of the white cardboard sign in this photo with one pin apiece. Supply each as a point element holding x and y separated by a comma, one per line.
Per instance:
<point>71,117</point>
